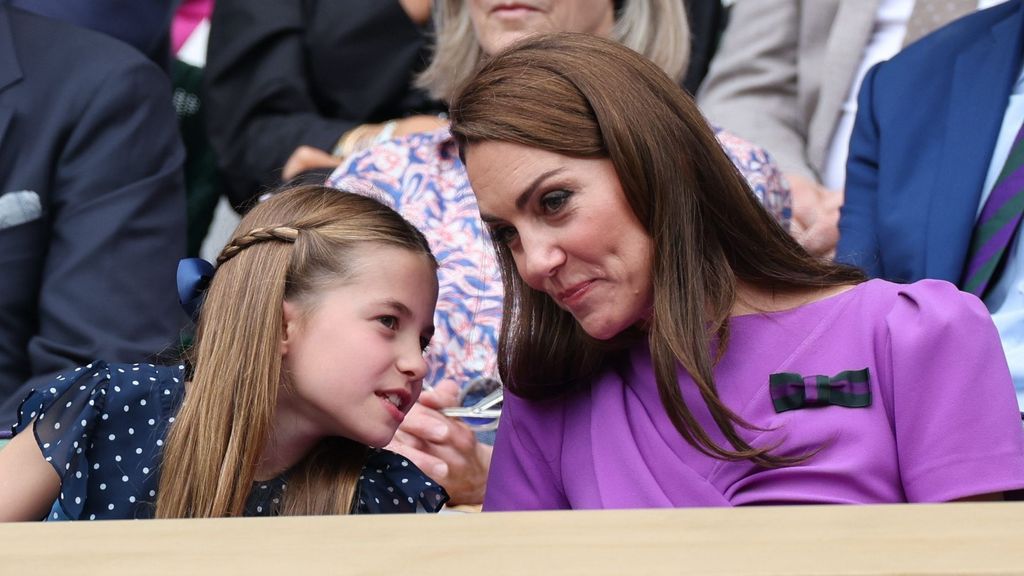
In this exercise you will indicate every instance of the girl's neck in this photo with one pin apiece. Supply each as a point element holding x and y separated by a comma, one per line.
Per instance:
<point>291,438</point>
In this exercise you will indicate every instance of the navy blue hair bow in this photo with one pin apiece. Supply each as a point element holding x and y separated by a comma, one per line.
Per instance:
<point>194,275</point>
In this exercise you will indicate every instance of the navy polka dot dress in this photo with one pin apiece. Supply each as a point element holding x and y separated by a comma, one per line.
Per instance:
<point>102,427</point>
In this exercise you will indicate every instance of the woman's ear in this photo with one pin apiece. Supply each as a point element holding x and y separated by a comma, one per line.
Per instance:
<point>289,325</point>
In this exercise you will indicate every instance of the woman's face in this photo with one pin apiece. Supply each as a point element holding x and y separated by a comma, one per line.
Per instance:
<point>498,23</point>
<point>570,230</point>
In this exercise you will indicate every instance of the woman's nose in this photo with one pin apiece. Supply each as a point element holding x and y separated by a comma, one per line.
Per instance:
<point>540,259</point>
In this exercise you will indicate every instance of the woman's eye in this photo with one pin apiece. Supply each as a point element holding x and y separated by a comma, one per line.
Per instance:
<point>389,322</point>
<point>503,234</point>
<point>425,345</point>
<point>554,201</point>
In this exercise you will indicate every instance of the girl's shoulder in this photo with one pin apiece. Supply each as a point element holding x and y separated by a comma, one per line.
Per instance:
<point>101,388</point>
<point>390,483</point>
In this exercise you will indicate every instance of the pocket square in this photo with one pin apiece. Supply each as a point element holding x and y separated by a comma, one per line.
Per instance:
<point>19,207</point>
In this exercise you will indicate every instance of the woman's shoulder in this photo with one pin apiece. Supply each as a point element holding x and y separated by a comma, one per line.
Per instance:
<point>390,483</point>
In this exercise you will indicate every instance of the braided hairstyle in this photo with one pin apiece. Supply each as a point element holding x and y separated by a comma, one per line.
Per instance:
<point>291,247</point>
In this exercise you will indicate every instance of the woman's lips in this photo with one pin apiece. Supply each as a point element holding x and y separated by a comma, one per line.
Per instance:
<point>571,297</point>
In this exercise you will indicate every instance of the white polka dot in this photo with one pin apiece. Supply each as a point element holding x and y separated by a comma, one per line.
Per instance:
<point>159,442</point>
<point>131,499</point>
<point>111,437</point>
<point>117,458</point>
<point>53,390</point>
<point>84,423</point>
<point>395,501</point>
<point>110,506</point>
<point>78,499</point>
<point>124,478</point>
<point>126,408</point>
<point>152,493</point>
<point>142,402</point>
<point>259,508</point>
<point>96,466</point>
<point>131,431</point>
<point>410,500</point>
<point>117,388</point>
<point>47,445</point>
<point>56,426</point>
<point>152,421</point>
<point>68,405</point>
<point>54,514</point>
<point>135,382</point>
<point>92,516</point>
<point>428,483</point>
<point>103,486</point>
<point>138,450</point>
<point>405,480</point>
<point>105,416</point>
<point>171,419</point>
<point>78,474</point>
<point>145,470</point>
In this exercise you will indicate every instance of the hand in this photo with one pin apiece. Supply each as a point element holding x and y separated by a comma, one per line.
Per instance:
<point>307,158</point>
<point>417,10</point>
<point>815,215</point>
<point>444,448</point>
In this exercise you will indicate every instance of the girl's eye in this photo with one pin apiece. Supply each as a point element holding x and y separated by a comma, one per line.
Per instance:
<point>389,322</point>
<point>554,201</point>
<point>503,234</point>
<point>424,345</point>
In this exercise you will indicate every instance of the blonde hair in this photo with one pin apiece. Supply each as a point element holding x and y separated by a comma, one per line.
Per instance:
<point>290,247</point>
<point>657,29</point>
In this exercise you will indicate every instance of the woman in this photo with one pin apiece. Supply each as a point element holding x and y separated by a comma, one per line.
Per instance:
<point>667,343</point>
<point>424,179</point>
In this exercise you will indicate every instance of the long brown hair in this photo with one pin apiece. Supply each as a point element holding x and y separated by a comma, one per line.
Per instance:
<point>291,247</point>
<point>583,96</point>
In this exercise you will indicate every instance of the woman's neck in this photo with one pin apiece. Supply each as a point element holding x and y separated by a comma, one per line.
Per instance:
<point>753,300</point>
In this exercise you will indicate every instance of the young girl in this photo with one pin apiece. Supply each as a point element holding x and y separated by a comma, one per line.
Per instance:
<point>308,352</point>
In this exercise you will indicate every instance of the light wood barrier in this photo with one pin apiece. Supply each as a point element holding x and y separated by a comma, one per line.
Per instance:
<point>973,539</point>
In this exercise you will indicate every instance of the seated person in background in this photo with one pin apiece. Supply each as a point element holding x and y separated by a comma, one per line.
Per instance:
<point>92,205</point>
<point>666,343</point>
<point>309,351</point>
<point>144,25</point>
<point>285,80</point>
<point>786,76</point>
<point>425,180</point>
<point>936,159</point>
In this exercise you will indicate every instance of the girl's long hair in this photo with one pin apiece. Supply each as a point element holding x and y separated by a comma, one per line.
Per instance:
<point>587,97</point>
<point>658,29</point>
<point>291,247</point>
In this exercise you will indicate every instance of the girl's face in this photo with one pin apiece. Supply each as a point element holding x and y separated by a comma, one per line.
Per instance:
<point>353,357</point>
<point>498,23</point>
<point>570,230</point>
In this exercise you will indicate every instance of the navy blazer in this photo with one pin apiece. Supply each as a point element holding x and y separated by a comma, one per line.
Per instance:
<point>87,126</point>
<point>927,123</point>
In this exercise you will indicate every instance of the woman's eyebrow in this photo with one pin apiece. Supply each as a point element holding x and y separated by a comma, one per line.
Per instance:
<point>524,197</point>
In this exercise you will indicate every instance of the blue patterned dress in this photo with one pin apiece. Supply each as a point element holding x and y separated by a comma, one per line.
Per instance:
<point>103,426</point>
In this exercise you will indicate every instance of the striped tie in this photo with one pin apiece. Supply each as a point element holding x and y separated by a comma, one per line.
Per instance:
<point>999,220</point>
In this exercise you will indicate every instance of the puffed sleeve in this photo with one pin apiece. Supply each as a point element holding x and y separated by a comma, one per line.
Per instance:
<point>66,413</point>
<point>390,484</point>
<point>522,477</point>
<point>952,403</point>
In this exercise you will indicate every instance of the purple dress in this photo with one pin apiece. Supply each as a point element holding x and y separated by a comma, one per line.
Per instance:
<point>903,388</point>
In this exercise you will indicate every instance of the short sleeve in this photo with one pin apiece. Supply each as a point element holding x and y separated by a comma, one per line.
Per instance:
<point>65,413</point>
<point>390,484</point>
<point>954,411</point>
<point>101,427</point>
<point>521,477</point>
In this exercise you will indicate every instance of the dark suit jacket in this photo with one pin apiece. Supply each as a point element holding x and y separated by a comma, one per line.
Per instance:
<point>285,73</point>
<point>927,122</point>
<point>86,123</point>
